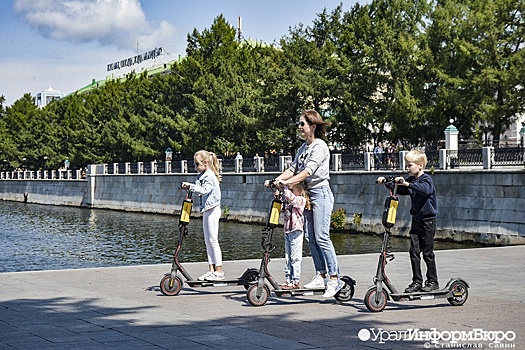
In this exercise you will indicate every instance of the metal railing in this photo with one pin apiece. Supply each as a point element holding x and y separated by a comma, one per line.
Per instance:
<point>74,174</point>
<point>486,158</point>
<point>433,159</point>
<point>469,157</point>
<point>354,161</point>
<point>509,156</point>
<point>495,157</point>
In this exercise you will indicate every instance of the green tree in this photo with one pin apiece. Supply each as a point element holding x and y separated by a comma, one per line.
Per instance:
<point>22,121</point>
<point>390,69</point>
<point>70,133</point>
<point>279,107</point>
<point>391,60</point>
<point>477,64</point>
<point>499,67</point>
<point>226,91</point>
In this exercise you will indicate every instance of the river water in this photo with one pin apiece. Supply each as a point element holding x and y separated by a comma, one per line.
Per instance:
<point>43,237</point>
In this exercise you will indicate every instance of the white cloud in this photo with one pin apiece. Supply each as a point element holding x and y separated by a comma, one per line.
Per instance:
<point>120,23</point>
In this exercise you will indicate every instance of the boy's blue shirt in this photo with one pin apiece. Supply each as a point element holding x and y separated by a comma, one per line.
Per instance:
<point>423,197</point>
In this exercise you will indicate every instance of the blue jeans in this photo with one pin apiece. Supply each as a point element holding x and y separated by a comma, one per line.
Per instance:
<point>317,228</point>
<point>293,255</point>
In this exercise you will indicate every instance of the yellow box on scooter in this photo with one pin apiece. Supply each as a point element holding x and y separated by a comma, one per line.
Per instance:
<point>186,211</point>
<point>275,212</point>
<point>390,211</point>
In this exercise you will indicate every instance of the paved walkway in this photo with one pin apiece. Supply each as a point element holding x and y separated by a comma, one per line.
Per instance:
<point>123,308</point>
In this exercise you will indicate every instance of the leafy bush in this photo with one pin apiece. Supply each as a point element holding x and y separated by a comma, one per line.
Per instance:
<point>338,219</point>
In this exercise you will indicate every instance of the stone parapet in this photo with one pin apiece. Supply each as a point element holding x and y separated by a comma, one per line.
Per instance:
<point>485,206</point>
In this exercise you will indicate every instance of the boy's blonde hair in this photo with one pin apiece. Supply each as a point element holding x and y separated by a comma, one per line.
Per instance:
<point>210,157</point>
<point>417,156</point>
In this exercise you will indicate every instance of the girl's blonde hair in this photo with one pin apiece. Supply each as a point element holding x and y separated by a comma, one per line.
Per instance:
<point>304,192</point>
<point>209,157</point>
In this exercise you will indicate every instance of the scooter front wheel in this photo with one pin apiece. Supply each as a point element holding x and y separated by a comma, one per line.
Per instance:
<point>169,286</point>
<point>251,294</point>
<point>370,300</point>
<point>459,293</point>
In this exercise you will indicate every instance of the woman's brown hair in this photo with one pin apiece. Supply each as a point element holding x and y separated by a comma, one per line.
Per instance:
<point>314,118</point>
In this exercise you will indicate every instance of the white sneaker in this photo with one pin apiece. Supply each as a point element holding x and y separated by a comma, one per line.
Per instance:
<point>332,287</point>
<point>205,276</point>
<point>317,282</point>
<point>216,276</point>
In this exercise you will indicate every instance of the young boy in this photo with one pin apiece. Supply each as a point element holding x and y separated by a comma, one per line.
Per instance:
<point>420,187</point>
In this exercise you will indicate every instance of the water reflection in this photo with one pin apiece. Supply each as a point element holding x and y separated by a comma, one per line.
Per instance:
<point>39,237</point>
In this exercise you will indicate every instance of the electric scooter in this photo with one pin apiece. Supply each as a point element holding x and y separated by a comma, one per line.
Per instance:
<point>259,291</point>
<point>456,290</point>
<point>171,283</point>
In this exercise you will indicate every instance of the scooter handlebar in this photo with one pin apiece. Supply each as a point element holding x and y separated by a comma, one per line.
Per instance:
<point>183,187</point>
<point>270,184</point>
<point>390,179</point>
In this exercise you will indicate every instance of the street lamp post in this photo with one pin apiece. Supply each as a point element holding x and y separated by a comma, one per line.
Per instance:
<point>169,154</point>
<point>67,163</point>
<point>522,142</point>
<point>44,167</point>
<point>522,135</point>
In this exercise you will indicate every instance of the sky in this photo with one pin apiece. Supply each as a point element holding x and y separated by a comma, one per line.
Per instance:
<point>65,44</point>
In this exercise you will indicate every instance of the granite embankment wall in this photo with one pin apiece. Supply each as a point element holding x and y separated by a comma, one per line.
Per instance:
<point>486,206</point>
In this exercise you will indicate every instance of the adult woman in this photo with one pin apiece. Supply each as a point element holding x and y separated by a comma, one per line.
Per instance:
<point>312,163</point>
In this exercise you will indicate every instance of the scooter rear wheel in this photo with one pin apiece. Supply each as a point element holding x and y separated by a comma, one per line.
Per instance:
<point>460,293</point>
<point>370,300</point>
<point>251,294</point>
<point>170,287</point>
<point>347,292</point>
<point>250,276</point>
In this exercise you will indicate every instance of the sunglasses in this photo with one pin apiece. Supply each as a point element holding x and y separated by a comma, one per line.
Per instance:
<point>196,164</point>
<point>301,123</point>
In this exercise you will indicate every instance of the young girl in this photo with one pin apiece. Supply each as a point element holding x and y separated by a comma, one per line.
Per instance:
<point>295,201</point>
<point>207,187</point>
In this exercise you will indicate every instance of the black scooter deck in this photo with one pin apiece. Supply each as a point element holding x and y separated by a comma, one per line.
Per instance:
<point>298,292</point>
<point>439,293</point>
<point>219,283</point>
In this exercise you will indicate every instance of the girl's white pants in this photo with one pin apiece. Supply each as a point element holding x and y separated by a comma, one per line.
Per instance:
<point>210,224</point>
